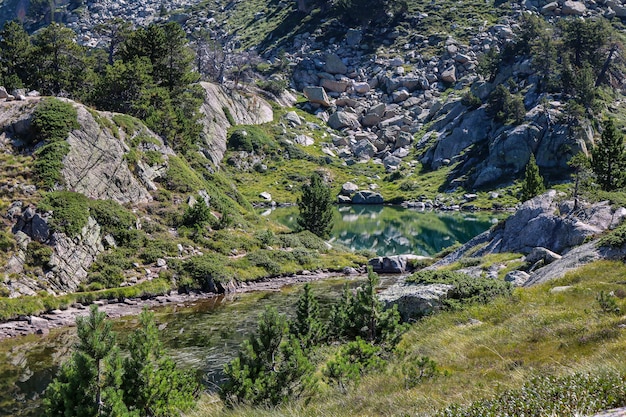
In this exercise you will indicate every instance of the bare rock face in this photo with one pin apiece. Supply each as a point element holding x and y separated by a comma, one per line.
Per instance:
<point>221,106</point>
<point>95,165</point>
<point>415,301</point>
<point>72,257</point>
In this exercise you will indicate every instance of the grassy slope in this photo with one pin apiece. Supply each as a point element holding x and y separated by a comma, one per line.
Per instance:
<point>538,332</point>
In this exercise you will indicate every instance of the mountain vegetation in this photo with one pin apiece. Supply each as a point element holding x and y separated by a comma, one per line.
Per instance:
<point>164,125</point>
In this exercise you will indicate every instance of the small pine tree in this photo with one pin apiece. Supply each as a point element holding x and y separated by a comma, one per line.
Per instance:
<point>316,207</point>
<point>533,182</point>
<point>363,315</point>
<point>152,384</point>
<point>270,367</point>
<point>582,172</point>
<point>89,384</point>
<point>307,326</point>
<point>609,158</point>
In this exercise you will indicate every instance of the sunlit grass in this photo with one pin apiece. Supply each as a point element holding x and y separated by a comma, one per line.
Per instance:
<point>485,349</point>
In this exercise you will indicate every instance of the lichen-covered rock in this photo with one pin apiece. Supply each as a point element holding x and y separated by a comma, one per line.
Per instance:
<point>367,197</point>
<point>415,301</point>
<point>220,107</point>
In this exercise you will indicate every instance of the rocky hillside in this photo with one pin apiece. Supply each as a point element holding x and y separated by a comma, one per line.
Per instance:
<point>112,158</point>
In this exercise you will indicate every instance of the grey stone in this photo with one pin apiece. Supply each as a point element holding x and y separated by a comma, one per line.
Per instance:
<point>367,197</point>
<point>343,199</point>
<point>517,278</point>
<point>266,196</point>
<point>342,119</point>
<point>391,162</point>
<point>304,140</point>
<point>317,95</point>
<point>334,86</point>
<point>361,88</point>
<point>364,149</point>
<point>403,139</point>
<point>542,254</point>
<point>349,188</point>
<point>160,262</point>
<point>293,118</point>
<point>40,229</point>
<point>574,8</point>
<point>354,37</point>
<point>334,65</point>
<point>415,301</point>
<point>400,95</point>
<point>370,119</point>
<point>549,7</point>
<point>244,109</point>
<point>448,75</point>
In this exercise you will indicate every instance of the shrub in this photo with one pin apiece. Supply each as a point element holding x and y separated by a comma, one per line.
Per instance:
<point>49,163</point>
<point>70,211</point>
<point>353,360</point>
<point>38,254</point>
<point>315,207</point>
<point>608,303</point>
<point>198,215</point>
<point>207,269</point>
<point>467,289</point>
<point>615,238</point>
<point>107,275</point>
<point>471,101</point>
<point>417,370</point>
<point>7,242</point>
<point>53,120</point>
<point>252,139</point>
<point>112,217</point>
<point>275,87</point>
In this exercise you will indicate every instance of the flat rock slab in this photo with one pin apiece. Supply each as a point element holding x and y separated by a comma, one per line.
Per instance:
<point>616,412</point>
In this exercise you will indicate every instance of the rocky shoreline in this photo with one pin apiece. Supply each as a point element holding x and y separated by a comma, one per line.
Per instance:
<point>42,324</point>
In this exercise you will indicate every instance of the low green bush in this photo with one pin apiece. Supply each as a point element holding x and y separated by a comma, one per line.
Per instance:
<point>53,120</point>
<point>113,218</point>
<point>70,211</point>
<point>577,394</point>
<point>38,254</point>
<point>49,163</point>
<point>7,242</point>
<point>251,139</point>
<point>615,238</point>
<point>467,289</point>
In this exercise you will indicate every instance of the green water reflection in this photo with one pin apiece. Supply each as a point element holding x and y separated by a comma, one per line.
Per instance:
<point>393,230</point>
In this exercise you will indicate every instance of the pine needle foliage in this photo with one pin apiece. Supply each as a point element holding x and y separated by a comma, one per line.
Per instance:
<point>316,207</point>
<point>533,181</point>
<point>608,160</point>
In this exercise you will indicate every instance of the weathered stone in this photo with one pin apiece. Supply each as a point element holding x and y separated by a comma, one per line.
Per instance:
<point>517,278</point>
<point>361,88</point>
<point>574,8</point>
<point>40,231</point>
<point>349,188</point>
<point>334,65</point>
<point>342,119</point>
<point>243,109</point>
<point>549,7</point>
<point>3,93</point>
<point>370,119</point>
<point>448,75</point>
<point>415,301</point>
<point>266,196</point>
<point>353,37</point>
<point>391,162</point>
<point>304,140</point>
<point>293,118</point>
<point>542,254</point>
<point>317,95</point>
<point>400,95</point>
<point>364,149</point>
<point>335,86</point>
<point>403,139</point>
<point>367,197</point>
<point>343,199</point>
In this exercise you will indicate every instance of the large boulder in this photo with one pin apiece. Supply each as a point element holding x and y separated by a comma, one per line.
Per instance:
<point>342,119</point>
<point>574,8</point>
<point>334,85</point>
<point>364,149</point>
<point>415,301</point>
<point>317,95</point>
<point>334,65</point>
<point>367,197</point>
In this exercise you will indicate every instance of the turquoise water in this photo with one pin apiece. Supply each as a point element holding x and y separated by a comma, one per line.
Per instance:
<point>206,334</point>
<point>393,230</point>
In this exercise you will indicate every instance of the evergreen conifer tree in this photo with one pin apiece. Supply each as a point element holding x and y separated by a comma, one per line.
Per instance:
<point>306,326</point>
<point>270,367</point>
<point>89,384</point>
<point>152,384</point>
<point>533,182</point>
<point>316,207</point>
<point>608,160</point>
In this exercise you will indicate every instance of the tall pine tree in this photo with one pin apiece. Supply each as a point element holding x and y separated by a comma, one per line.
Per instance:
<point>533,181</point>
<point>89,384</point>
<point>152,384</point>
<point>316,207</point>
<point>608,158</point>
